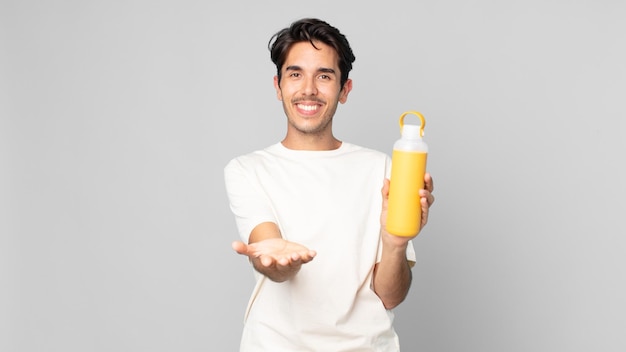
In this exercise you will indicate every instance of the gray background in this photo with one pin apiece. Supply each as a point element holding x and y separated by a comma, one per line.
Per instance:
<point>118,118</point>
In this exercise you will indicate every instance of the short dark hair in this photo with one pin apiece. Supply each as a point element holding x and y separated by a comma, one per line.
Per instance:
<point>310,30</point>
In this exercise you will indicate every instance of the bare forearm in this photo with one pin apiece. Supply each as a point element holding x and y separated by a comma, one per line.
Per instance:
<point>392,277</point>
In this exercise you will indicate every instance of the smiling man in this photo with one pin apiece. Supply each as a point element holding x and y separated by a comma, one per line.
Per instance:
<point>311,212</point>
<point>309,86</point>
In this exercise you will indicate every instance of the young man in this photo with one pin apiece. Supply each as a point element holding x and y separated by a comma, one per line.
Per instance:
<point>311,214</point>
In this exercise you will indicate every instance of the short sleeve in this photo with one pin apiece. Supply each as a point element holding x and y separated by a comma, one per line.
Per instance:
<point>247,199</point>
<point>410,253</point>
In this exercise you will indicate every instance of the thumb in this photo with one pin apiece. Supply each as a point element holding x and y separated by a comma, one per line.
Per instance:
<point>240,247</point>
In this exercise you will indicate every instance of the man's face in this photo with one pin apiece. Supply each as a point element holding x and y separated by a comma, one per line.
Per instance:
<point>310,88</point>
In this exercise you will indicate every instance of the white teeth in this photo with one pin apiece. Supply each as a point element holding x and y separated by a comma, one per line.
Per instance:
<point>307,107</point>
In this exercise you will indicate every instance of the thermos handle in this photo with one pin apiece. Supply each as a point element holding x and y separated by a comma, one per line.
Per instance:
<point>418,115</point>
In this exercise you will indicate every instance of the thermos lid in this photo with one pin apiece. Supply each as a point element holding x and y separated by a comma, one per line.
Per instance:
<point>411,132</point>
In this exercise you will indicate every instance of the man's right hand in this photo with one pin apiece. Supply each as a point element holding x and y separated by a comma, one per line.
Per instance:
<point>275,258</point>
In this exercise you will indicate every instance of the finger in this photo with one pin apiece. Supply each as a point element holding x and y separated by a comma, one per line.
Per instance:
<point>295,257</point>
<point>425,207</point>
<point>307,256</point>
<point>424,194</point>
<point>428,182</point>
<point>385,190</point>
<point>283,262</point>
<point>266,260</point>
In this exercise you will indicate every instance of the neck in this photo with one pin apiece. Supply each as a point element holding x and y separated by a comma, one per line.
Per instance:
<point>311,142</point>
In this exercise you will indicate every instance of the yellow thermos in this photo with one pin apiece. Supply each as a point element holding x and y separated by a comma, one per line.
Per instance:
<point>408,165</point>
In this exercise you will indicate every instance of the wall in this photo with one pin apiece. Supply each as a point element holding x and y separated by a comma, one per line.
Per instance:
<point>118,117</point>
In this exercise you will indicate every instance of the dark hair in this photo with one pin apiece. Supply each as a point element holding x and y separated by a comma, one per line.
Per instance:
<point>310,30</point>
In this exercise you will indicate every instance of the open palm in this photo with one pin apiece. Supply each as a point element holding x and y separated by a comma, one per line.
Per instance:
<point>275,251</point>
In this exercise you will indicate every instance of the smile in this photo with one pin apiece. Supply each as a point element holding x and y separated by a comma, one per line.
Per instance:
<point>307,107</point>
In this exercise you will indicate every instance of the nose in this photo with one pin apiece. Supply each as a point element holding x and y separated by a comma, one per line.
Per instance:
<point>310,87</point>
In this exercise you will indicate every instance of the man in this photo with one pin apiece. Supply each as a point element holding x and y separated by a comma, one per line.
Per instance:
<point>311,214</point>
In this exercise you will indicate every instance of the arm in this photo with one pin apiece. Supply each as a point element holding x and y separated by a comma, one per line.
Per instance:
<point>271,255</point>
<point>392,275</point>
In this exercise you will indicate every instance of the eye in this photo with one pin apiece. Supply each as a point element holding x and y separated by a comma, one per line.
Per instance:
<point>294,74</point>
<point>325,77</point>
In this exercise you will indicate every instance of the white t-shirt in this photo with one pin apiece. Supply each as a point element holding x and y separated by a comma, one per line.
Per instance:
<point>330,202</point>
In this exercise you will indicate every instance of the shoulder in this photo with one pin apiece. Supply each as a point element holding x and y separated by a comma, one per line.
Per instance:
<point>363,152</point>
<point>252,158</point>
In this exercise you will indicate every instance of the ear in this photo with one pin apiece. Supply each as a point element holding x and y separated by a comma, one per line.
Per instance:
<point>279,93</point>
<point>343,95</point>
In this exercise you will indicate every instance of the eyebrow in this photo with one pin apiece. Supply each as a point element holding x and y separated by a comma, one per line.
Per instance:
<point>321,69</point>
